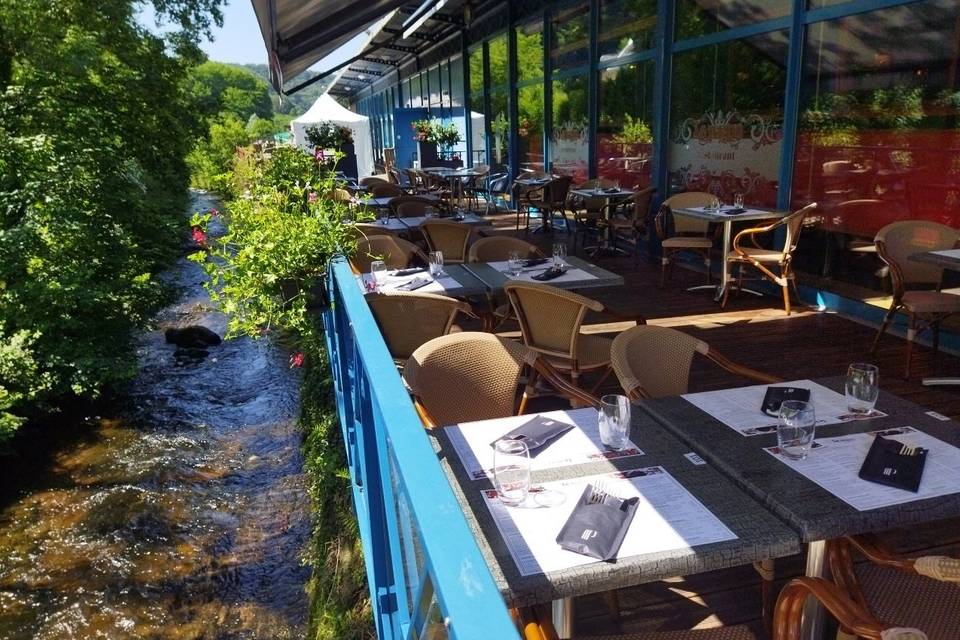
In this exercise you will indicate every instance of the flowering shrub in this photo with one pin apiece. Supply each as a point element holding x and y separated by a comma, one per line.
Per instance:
<point>443,135</point>
<point>328,135</point>
<point>265,272</point>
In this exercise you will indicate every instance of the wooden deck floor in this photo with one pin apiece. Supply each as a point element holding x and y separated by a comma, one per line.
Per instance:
<point>755,332</point>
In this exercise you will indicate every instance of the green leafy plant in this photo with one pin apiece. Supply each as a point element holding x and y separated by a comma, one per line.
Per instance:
<point>328,135</point>
<point>266,272</point>
<point>443,135</point>
<point>634,131</point>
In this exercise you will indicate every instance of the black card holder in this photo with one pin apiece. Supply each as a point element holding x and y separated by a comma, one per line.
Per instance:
<point>775,396</point>
<point>537,433</point>
<point>597,530</point>
<point>533,262</point>
<point>885,465</point>
<point>549,274</point>
<point>409,272</point>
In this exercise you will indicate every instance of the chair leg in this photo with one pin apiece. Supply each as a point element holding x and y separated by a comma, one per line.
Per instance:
<point>887,319</point>
<point>612,600</point>
<point>664,263</point>
<point>528,390</point>
<point>786,298</point>
<point>911,335</point>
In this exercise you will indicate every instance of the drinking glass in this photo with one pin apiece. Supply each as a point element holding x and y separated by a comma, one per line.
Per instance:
<point>378,269</point>
<point>515,264</point>
<point>511,471</point>
<point>738,200</point>
<point>862,387</point>
<point>616,185</point>
<point>436,263</point>
<point>614,417</point>
<point>559,254</point>
<point>796,428</point>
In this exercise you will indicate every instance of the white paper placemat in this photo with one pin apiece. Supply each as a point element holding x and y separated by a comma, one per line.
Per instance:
<point>739,408</point>
<point>948,253</point>
<point>472,442</point>
<point>572,275</point>
<point>440,285</point>
<point>668,518</point>
<point>835,466</point>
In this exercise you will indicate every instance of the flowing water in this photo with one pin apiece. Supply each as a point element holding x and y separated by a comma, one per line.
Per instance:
<point>182,516</point>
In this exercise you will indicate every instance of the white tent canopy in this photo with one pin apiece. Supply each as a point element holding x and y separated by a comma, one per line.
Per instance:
<point>326,109</point>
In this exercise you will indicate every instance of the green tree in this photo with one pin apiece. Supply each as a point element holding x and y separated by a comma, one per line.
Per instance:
<point>219,87</point>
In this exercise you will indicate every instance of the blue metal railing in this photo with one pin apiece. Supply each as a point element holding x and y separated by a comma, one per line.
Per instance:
<point>426,575</point>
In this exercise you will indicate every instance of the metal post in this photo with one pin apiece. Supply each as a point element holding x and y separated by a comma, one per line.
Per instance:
<point>593,88</point>
<point>661,105</point>
<point>547,40</point>
<point>791,105</point>
<point>512,92</point>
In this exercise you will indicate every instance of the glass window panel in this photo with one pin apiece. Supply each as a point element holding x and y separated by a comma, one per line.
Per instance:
<point>530,127</point>
<point>726,118</point>
<point>879,130</point>
<point>478,118</point>
<point>625,128</point>
<point>497,50</point>
<point>626,27</point>
<point>435,87</point>
<point>568,141</point>
<point>456,83</point>
<point>499,129</point>
<point>701,17</point>
<point>570,29</point>
<point>530,51</point>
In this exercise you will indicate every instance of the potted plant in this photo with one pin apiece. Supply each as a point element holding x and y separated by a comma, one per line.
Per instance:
<point>330,140</point>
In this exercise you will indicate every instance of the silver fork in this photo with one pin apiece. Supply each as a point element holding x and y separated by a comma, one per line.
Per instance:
<point>907,450</point>
<point>599,493</point>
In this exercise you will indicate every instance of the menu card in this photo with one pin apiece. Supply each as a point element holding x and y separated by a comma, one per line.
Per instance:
<point>572,274</point>
<point>740,408</point>
<point>835,465</point>
<point>472,442</point>
<point>668,518</point>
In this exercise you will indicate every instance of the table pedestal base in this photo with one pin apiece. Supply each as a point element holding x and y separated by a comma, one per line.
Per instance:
<point>562,617</point>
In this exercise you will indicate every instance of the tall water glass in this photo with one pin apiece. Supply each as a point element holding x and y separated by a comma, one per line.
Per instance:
<point>435,260</point>
<point>614,417</point>
<point>378,269</point>
<point>511,471</point>
<point>796,428</point>
<point>738,200</point>
<point>559,255</point>
<point>862,387</point>
<point>515,264</point>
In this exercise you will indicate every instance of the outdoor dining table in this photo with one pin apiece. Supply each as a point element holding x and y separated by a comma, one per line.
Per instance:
<point>606,195</point>
<point>414,222</point>
<point>716,526</point>
<point>947,259</point>
<point>453,175</point>
<point>580,275</point>
<point>833,501</point>
<point>384,203</point>
<point>456,282</point>
<point>725,216</point>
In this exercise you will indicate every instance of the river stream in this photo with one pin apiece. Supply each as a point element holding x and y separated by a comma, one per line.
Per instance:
<point>181,516</point>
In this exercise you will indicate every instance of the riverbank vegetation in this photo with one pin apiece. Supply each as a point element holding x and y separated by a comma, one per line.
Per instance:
<point>267,273</point>
<point>96,121</point>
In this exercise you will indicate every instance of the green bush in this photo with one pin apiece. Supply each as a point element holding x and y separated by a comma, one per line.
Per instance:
<point>95,124</point>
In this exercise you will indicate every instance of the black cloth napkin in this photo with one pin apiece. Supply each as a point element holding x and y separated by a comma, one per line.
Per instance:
<point>775,396</point>
<point>549,274</point>
<point>733,211</point>
<point>414,284</point>
<point>885,465</point>
<point>409,272</point>
<point>532,262</point>
<point>537,433</point>
<point>597,529</point>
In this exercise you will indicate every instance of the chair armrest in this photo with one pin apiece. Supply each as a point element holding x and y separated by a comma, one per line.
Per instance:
<point>567,389</point>
<point>752,374</point>
<point>942,568</point>
<point>750,233</point>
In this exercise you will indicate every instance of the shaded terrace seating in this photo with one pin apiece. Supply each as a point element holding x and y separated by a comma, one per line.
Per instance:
<point>629,217</point>
<point>475,376</point>
<point>683,233</point>
<point>451,238</point>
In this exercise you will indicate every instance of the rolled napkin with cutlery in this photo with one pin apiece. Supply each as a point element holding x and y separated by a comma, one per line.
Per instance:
<point>533,262</point>
<point>598,523</point>
<point>549,274</point>
<point>416,283</point>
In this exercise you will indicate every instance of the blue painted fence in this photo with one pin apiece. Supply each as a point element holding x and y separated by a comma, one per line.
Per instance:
<point>426,575</point>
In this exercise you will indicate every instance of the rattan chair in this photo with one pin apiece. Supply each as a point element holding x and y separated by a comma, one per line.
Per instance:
<point>363,230</point>
<point>397,253</point>
<point>683,233</point>
<point>385,190</point>
<point>535,622</point>
<point>410,319</point>
<point>370,181</point>
<point>895,243</point>
<point>921,592</point>
<point>499,248</point>
<point>628,217</point>
<point>470,376</point>
<point>550,320</point>
<point>412,206</point>
<point>762,259</point>
<point>449,237</point>
<point>339,195</point>
<point>653,362</point>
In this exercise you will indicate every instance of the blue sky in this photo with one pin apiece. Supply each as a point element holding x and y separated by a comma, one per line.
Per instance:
<point>239,40</point>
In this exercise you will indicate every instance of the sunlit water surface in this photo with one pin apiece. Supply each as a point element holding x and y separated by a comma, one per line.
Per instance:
<point>183,516</point>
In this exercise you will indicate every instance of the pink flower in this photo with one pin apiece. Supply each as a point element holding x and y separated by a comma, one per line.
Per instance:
<point>318,154</point>
<point>214,212</point>
<point>296,360</point>
<point>199,236</point>
<point>312,197</point>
